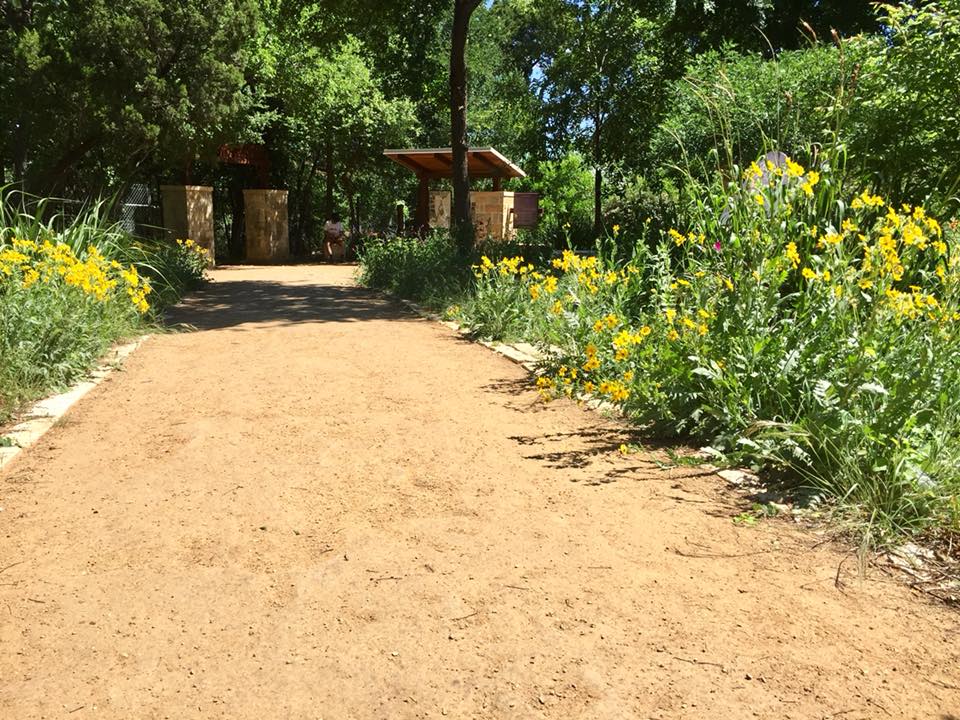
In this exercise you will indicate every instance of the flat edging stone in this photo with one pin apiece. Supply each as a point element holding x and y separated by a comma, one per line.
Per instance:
<point>37,420</point>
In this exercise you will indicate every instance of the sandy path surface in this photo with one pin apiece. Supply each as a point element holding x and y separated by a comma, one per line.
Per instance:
<point>317,505</point>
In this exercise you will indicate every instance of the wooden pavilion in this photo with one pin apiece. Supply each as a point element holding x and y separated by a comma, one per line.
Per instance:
<point>497,213</point>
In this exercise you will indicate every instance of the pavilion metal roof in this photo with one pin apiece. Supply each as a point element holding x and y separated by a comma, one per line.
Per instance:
<point>438,162</point>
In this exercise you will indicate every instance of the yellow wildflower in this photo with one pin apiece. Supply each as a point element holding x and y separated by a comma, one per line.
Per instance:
<point>792,255</point>
<point>794,169</point>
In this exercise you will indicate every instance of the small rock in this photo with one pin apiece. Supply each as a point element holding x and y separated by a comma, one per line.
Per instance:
<point>736,477</point>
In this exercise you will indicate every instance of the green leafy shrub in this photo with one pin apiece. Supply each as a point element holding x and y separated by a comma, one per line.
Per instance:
<point>428,270</point>
<point>431,270</point>
<point>731,107</point>
<point>67,294</point>
<point>905,132</point>
<point>786,327</point>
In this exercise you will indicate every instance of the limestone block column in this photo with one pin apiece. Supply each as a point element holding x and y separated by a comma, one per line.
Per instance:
<point>188,214</point>
<point>487,214</point>
<point>509,233</point>
<point>265,226</point>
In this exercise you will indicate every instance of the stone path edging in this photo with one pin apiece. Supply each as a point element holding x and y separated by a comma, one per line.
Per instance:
<point>45,414</point>
<point>530,357</point>
<point>522,353</point>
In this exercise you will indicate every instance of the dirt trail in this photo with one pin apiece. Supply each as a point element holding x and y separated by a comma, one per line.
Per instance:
<point>317,505</point>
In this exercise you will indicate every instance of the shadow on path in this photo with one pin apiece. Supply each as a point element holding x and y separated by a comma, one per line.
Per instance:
<point>229,303</point>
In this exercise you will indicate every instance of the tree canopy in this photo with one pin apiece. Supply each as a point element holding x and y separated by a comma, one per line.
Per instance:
<point>98,96</point>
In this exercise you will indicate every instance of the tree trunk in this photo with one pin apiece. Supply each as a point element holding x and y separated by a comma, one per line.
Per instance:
<point>354,214</point>
<point>54,178</point>
<point>328,169</point>
<point>597,202</point>
<point>19,151</point>
<point>597,182</point>
<point>306,209</point>
<point>461,221</point>
<point>295,206</point>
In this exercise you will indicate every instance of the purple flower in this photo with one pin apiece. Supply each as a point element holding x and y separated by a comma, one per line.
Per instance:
<point>716,246</point>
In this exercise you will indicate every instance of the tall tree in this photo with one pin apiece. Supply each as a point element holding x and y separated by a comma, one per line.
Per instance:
<point>95,92</point>
<point>600,73</point>
<point>763,25</point>
<point>461,219</point>
<point>504,112</point>
<point>336,121</point>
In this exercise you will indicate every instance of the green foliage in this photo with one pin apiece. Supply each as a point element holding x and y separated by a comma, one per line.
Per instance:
<point>94,91</point>
<point>503,112</point>
<point>731,107</point>
<point>336,119</point>
<point>759,25</point>
<point>908,132</point>
<point>566,190</point>
<point>786,327</point>
<point>69,289</point>
<point>430,270</point>
<point>600,76</point>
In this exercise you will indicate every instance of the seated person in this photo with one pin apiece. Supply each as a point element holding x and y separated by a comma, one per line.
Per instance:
<point>334,239</point>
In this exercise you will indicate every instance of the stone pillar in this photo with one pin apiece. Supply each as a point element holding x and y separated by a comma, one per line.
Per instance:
<point>491,215</point>
<point>509,233</point>
<point>265,226</point>
<point>188,214</point>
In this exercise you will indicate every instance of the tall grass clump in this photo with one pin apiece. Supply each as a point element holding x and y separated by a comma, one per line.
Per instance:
<point>431,269</point>
<point>428,270</point>
<point>69,289</point>
<point>786,326</point>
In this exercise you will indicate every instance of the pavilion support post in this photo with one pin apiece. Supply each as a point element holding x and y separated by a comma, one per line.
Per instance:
<point>497,183</point>
<point>422,218</point>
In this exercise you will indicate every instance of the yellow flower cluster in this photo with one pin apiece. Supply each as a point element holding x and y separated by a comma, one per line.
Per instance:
<point>33,262</point>
<point>506,267</point>
<point>916,304</point>
<point>192,247</point>
<point>679,238</point>
<point>794,170</point>
<point>898,244</point>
